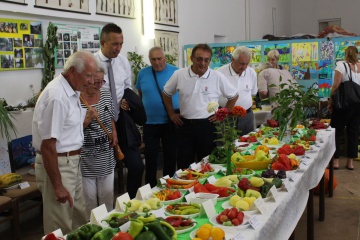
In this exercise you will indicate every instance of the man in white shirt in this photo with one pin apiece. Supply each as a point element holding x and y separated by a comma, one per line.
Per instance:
<point>198,85</point>
<point>244,79</point>
<point>57,130</point>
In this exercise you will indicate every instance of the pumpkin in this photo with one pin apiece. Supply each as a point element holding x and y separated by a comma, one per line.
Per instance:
<point>262,147</point>
<point>326,178</point>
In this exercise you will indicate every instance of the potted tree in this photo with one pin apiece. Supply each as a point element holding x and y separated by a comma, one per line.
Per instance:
<point>6,125</point>
<point>290,105</point>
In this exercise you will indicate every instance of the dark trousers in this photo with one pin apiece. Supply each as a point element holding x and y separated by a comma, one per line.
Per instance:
<point>153,133</point>
<point>245,124</point>
<point>135,168</point>
<point>350,119</point>
<point>195,138</point>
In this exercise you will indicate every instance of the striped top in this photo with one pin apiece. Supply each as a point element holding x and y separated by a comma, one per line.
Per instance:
<point>97,155</point>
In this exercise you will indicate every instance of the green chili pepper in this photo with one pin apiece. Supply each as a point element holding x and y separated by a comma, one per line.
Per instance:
<point>190,211</point>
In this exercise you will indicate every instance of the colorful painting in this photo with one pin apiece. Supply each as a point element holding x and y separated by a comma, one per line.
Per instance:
<point>340,48</point>
<point>283,49</point>
<point>327,50</point>
<point>304,70</point>
<point>324,88</point>
<point>22,152</point>
<point>221,56</point>
<point>325,69</point>
<point>21,44</point>
<point>255,53</point>
<point>306,51</point>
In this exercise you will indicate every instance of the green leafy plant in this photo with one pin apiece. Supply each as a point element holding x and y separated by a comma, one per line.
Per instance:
<point>137,63</point>
<point>6,125</point>
<point>49,56</point>
<point>171,58</point>
<point>31,102</point>
<point>290,104</point>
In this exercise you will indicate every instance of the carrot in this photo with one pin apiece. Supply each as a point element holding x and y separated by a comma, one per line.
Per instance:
<point>172,181</point>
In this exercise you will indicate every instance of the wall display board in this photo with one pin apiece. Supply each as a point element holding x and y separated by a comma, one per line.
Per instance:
<point>118,8</point>
<point>79,6</point>
<point>21,44</point>
<point>72,38</point>
<point>166,12</point>
<point>311,61</point>
<point>168,40</point>
<point>16,1</point>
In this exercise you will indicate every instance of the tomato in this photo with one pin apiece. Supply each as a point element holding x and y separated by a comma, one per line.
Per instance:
<point>122,236</point>
<point>51,236</point>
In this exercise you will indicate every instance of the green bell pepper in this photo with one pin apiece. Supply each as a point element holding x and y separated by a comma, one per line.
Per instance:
<point>105,234</point>
<point>89,230</point>
<point>135,227</point>
<point>148,235</point>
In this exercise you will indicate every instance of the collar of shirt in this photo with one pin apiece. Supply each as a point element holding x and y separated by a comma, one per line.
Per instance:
<point>233,73</point>
<point>68,89</point>
<point>102,57</point>
<point>205,75</point>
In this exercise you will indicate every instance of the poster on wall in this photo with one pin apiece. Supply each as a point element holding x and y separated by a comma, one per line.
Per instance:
<point>118,8</point>
<point>220,56</point>
<point>72,38</point>
<point>327,50</point>
<point>168,40</point>
<point>21,44</point>
<point>305,51</point>
<point>79,6</point>
<point>166,12</point>
<point>283,49</point>
<point>341,46</point>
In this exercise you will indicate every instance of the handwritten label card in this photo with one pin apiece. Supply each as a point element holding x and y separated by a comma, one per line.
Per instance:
<point>238,236</point>
<point>294,177</point>
<point>286,185</point>
<point>97,213</point>
<point>163,180</point>
<point>211,180</point>
<point>24,185</point>
<point>143,192</point>
<point>125,226</point>
<point>209,208</point>
<point>273,193</point>
<point>260,205</point>
<point>119,205</point>
<point>189,196</point>
<point>254,222</point>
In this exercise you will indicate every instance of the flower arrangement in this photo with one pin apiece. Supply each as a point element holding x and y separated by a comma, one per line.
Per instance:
<point>225,124</point>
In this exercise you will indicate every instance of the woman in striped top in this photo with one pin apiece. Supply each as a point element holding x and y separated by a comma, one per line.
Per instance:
<point>98,162</point>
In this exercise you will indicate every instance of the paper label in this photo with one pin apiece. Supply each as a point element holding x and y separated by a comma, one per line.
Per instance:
<point>254,222</point>
<point>97,213</point>
<point>125,226</point>
<point>209,208</point>
<point>305,161</point>
<point>294,177</point>
<point>163,180</point>
<point>273,193</point>
<point>211,180</point>
<point>24,185</point>
<point>119,205</point>
<point>189,196</point>
<point>286,185</point>
<point>238,236</point>
<point>143,192</point>
<point>260,205</point>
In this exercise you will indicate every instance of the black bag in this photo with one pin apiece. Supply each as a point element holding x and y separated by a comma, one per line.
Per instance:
<point>347,95</point>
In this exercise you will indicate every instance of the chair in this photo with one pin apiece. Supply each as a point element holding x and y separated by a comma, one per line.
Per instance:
<point>7,212</point>
<point>20,152</point>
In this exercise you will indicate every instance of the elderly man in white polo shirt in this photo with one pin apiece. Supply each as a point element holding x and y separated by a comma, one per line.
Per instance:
<point>197,85</point>
<point>244,79</point>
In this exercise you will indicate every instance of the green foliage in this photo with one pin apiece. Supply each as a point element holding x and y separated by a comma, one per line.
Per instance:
<point>137,63</point>
<point>227,132</point>
<point>290,103</point>
<point>6,124</point>
<point>171,59</point>
<point>49,56</point>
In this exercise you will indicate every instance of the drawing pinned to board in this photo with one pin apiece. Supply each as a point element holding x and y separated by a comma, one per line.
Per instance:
<point>304,70</point>
<point>166,12</point>
<point>168,40</point>
<point>340,48</point>
<point>119,8</point>
<point>305,51</point>
<point>324,88</point>
<point>283,49</point>
<point>327,50</point>
<point>80,6</point>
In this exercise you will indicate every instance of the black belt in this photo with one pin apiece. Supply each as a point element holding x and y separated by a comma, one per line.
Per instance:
<point>249,110</point>
<point>194,121</point>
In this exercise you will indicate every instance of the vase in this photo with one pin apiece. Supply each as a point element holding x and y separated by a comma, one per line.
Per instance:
<point>229,153</point>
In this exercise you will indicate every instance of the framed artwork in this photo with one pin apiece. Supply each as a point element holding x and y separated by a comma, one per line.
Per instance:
<point>168,40</point>
<point>118,8</point>
<point>166,12</point>
<point>16,1</point>
<point>79,6</point>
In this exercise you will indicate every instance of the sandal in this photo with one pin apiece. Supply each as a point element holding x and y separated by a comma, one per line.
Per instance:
<point>336,164</point>
<point>350,162</point>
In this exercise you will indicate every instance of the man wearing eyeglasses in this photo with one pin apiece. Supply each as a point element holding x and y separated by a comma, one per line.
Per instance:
<point>197,85</point>
<point>244,79</point>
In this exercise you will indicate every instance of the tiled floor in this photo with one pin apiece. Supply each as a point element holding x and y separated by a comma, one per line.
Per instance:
<point>341,219</point>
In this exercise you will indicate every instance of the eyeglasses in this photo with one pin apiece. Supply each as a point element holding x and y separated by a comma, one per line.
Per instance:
<point>100,83</point>
<point>200,59</point>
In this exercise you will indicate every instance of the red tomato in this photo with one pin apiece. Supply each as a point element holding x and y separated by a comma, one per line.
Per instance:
<point>122,236</point>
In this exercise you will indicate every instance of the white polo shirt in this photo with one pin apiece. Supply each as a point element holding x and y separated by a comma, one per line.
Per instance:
<point>58,114</point>
<point>196,92</point>
<point>246,84</point>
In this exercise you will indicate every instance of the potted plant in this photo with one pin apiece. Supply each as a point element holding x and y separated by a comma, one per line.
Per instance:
<point>6,125</point>
<point>137,63</point>
<point>290,104</point>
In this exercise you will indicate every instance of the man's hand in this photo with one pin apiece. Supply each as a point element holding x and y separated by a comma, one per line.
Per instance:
<point>124,105</point>
<point>212,118</point>
<point>176,119</point>
<point>62,195</point>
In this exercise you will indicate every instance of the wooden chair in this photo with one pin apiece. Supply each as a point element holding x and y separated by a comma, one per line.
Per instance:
<point>7,212</point>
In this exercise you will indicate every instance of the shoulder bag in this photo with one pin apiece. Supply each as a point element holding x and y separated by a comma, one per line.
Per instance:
<point>117,150</point>
<point>348,94</point>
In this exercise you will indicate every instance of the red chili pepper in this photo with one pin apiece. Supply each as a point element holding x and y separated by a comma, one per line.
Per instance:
<point>174,221</point>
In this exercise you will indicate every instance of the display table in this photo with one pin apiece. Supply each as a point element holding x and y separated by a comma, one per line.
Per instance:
<point>283,215</point>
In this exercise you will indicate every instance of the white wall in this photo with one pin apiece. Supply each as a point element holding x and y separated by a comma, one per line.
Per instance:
<point>306,13</point>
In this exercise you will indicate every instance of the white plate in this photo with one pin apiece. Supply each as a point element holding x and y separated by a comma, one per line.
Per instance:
<point>187,229</point>
<point>242,144</point>
<point>280,144</point>
<point>241,226</point>
<point>241,175</point>
<point>186,216</point>
<point>226,205</point>
<point>216,167</point>
<point>173,201</point>
<point>225,198</point>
